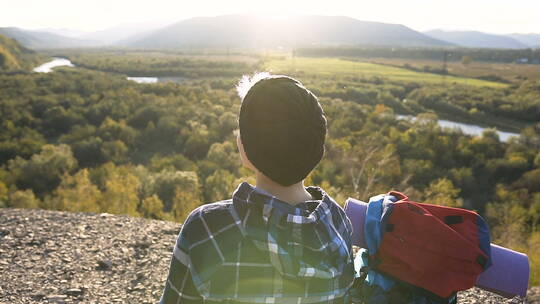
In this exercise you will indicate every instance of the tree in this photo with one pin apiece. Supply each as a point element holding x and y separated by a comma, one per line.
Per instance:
<point>530,181</point>
<point>23,199</point>
<point>225,155</point>
<point>111,130</point>
<point>197,141</point>
<point>534,212</point>
<point>442,192</point>
<point>228,121</point>
<point>466,60</point>
<point>537,160</point>
<point>219,186</point>
<point>3,64</point>
<point>152,207</point>
<point>507,218</point>
<point>19,141</point>
<point>166,184</point>
<point>175,162</point>
<point>533,244</point>
<point>114,151</point>
<point>77,193</point>
<point>463,179</point>
<point>3,195</point>
<point>43,172</point>
<point>121,193</point>
<point>187,195</point>
<point>422,171</point>
<point>58,120</point>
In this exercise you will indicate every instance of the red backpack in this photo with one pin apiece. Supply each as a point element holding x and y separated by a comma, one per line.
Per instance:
<point>439,249</point>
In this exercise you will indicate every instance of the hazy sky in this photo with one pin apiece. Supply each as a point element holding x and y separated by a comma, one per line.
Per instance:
<point>496,16</point>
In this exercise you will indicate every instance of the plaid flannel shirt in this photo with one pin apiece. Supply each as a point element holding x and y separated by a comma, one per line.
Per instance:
<point>255,248</point>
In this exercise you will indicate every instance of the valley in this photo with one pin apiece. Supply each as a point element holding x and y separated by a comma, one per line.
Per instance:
<point>151,132</point>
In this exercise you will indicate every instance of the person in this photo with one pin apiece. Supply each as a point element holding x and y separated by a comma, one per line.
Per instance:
<point>277,241</point>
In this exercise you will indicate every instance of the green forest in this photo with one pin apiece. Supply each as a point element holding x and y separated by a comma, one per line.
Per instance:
<point>85,139</point>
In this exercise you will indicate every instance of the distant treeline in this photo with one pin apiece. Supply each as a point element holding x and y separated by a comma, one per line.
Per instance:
<point>170,65</point>
<point>453,54</point>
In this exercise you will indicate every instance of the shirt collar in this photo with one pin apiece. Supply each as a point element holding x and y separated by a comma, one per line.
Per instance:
<point>247,193</point>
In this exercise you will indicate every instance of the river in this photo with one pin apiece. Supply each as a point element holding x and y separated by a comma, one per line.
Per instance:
<point>151,79</point>
<point>474,130</point>
<point>54,63</point>
<point>58,62</point>
<point>466,128</point>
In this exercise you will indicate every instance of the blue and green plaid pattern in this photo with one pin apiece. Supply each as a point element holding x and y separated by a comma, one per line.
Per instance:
<point>255,248</point>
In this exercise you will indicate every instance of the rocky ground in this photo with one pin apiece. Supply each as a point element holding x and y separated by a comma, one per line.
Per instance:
<point>61,257</point>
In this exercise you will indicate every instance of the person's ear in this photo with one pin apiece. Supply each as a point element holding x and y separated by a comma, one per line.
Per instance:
<point>243,156</point>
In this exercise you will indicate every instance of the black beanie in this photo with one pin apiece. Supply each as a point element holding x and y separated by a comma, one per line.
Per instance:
<point>283,128</point>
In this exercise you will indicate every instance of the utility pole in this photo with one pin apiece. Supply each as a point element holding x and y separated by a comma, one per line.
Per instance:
<point>445,60</point>
<point>445,66</point>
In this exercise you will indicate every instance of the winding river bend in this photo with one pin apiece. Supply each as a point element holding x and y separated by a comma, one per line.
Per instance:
<point>58,62</point>
<point>465,128</point>
<point>54,63</point>
<point>474,129</point>
<point>469,129</point>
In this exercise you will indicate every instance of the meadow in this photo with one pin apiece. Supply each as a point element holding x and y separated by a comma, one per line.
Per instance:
<point>506,72</point>
<point>349,68</point>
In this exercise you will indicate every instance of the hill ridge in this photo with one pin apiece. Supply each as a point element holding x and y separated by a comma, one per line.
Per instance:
<point>42,39</point>
<point>477,39</point>
<point>12,54</point>
<point>254,31</point>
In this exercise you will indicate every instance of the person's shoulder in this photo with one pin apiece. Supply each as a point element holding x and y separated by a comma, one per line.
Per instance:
<point>217,221</point>
<point>219,206</point>
<point>338,214</point>
<point>211,210</point>
<point>329,200</point>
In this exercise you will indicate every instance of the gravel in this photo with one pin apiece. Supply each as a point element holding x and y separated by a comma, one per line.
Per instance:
<point>61,257</point>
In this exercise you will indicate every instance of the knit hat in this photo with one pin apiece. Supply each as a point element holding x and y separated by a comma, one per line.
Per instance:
<point>283,128</point>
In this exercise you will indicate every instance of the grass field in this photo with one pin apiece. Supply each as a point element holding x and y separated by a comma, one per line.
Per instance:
<point>333,66</point>
<point>509,71</point>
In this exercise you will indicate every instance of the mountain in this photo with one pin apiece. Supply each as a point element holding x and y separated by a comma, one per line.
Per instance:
<point>122,33</point>
<point>63,32</point>
<point>252,31</point>
<point>43,40</point>
<point>476,39</point>
<point>13,56</point>
<point>532,40</point>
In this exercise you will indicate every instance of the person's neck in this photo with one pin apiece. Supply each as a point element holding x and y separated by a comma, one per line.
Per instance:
<point>293,194</point>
